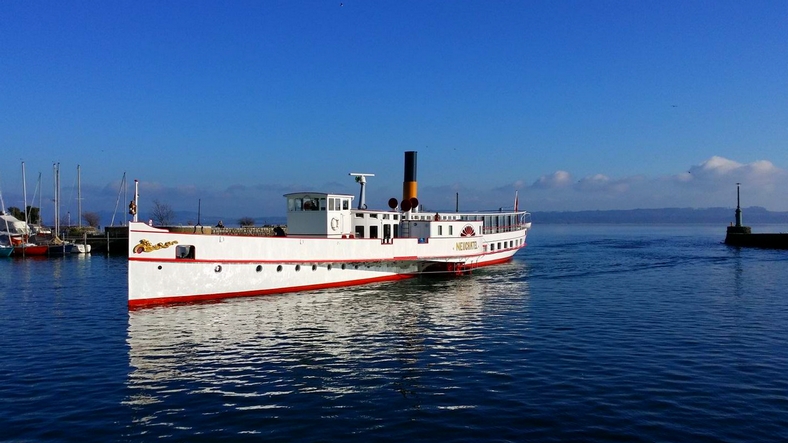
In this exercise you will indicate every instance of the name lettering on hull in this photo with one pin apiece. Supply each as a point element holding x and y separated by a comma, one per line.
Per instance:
<point>466,245</point>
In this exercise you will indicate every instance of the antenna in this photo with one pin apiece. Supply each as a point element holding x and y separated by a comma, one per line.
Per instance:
<point>361,179</point>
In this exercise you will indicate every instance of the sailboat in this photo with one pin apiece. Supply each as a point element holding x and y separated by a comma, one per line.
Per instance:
<point>56,246</point>
<point>20,233</point>
<point>84,247</point>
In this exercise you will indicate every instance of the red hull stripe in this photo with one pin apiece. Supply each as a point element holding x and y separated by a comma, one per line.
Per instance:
<point>140,303</point>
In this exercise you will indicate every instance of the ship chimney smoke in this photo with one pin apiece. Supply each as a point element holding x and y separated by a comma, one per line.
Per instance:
<point>409,184</point>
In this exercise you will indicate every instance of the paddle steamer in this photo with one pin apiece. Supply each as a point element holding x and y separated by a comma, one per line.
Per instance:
<point>328,243</point>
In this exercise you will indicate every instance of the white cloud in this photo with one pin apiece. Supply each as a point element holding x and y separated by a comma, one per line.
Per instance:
<point>557,179</point>
<point>719,169</point>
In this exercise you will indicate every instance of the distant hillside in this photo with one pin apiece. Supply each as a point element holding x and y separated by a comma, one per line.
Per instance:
<point>751,216</point>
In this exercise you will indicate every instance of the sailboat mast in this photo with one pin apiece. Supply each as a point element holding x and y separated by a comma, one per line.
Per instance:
<point>40,199</point>
<point>79,197</point>
<point>24,191</point>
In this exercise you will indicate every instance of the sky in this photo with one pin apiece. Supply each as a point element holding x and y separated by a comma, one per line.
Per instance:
<point>575,105</point>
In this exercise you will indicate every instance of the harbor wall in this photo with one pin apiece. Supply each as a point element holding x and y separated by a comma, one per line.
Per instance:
<point>743,238</point>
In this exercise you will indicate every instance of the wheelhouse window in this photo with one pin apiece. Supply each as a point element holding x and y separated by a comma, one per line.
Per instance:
<point>311,204</point>
<point>345,204</point>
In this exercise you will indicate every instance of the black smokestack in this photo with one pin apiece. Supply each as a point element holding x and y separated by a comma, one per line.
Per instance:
<point>409,184</point>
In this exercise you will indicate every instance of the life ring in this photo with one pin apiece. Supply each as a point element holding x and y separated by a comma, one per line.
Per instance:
<point>334,224</point>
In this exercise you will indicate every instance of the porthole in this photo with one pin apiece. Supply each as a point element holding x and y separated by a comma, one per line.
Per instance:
<point>259,268</point>
<point>328,267</point>
<point>218,268</point>
<point>355,266</point>
<point>298,268</point>
<point>314,267</point>
<point>279,268</point>
<point>159,267</point>
<point>344,266</point>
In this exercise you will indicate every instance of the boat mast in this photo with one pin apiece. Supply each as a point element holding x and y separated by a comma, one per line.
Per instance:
<point>56,199</point>
<point>24,191</point>
<point>40,199</point>
<point>79,197</point>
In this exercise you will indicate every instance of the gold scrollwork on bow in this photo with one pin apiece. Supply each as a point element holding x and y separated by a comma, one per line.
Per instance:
<point>146,246</point>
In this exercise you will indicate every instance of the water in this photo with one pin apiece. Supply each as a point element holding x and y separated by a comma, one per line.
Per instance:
<point>592,333</point>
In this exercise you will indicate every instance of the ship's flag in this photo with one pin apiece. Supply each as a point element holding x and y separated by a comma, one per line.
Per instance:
<point>516,201</point>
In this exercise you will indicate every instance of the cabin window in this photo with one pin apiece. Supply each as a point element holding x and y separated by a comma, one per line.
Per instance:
<point>359,231</point>
<point>322,204</point>
<point>386,231</point>
<point>345,204</point>
<point>359,215</point>
<point>499,245</point>
<point>451,230</point>
<point>373,215</point>
<point>386,216</point>
<point>330,204</point>
<point>440,230</point>
<point>396,230</point>
<point>396,216</point>
<point>311,204</point>
<point>373,232</point>
<point>184,252</point>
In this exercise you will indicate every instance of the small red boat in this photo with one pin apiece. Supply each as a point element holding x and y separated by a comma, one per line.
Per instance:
<point>30,249</point>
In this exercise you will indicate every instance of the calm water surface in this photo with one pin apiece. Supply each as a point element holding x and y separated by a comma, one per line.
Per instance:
<point>592,333</point>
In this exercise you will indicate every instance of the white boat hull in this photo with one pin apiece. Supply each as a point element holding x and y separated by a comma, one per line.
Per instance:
<point>235,266</point>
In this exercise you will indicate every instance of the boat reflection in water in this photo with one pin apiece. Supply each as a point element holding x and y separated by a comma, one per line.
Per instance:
<point>296,356</point>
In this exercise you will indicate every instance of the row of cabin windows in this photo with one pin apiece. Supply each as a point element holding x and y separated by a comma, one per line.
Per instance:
<point>389,231</point>
<point>317,204</point>
<point>506,244</point>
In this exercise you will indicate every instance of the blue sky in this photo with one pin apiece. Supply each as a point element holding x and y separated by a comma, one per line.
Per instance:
<point>576,104</point>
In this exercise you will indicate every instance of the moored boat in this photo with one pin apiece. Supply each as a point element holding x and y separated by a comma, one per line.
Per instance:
<point>30,250</point>
<point>327,244</point>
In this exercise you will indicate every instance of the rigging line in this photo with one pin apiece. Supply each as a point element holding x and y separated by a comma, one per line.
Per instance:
<point>117,201</point>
